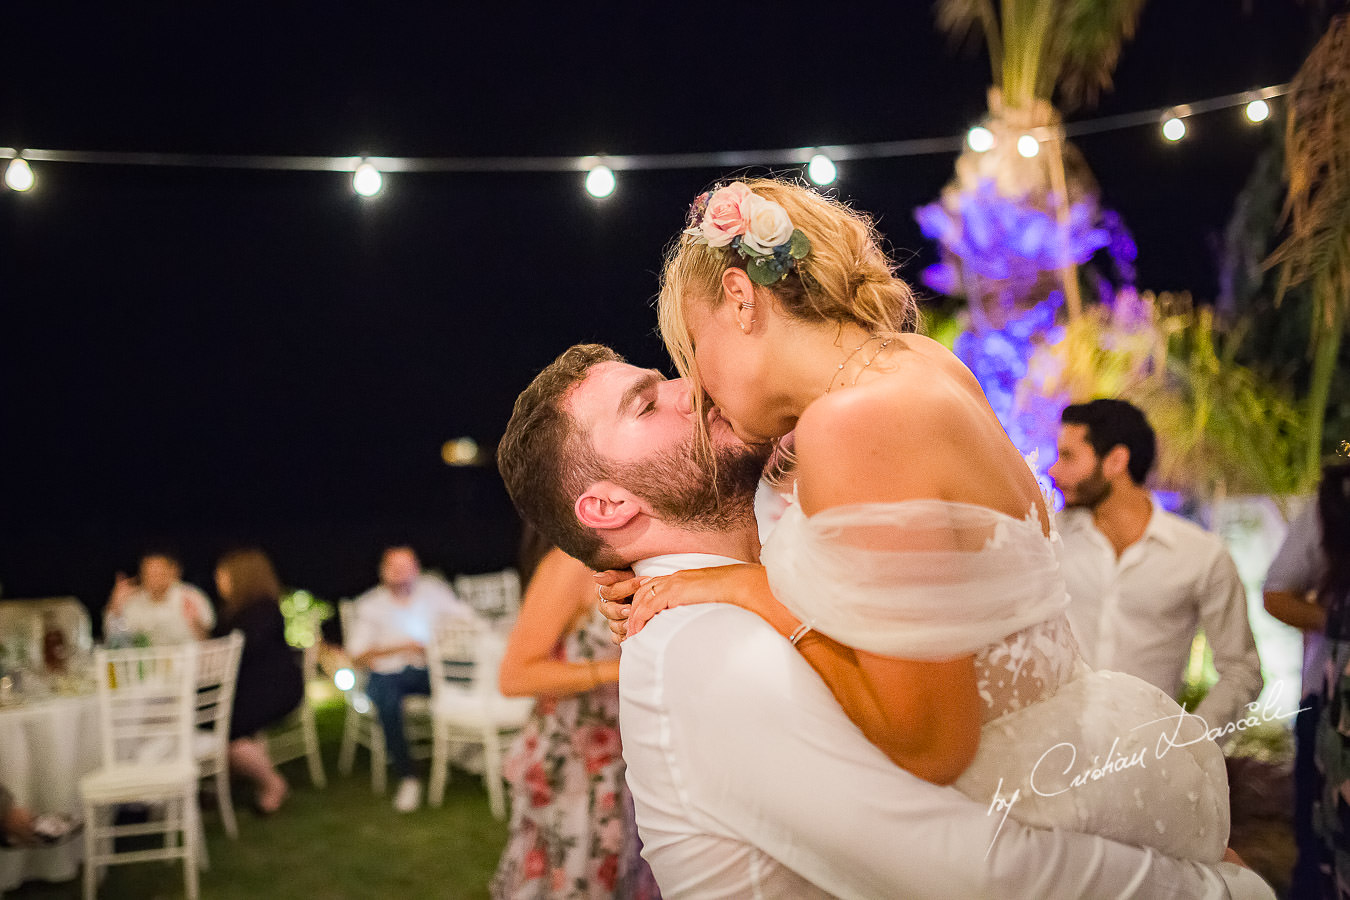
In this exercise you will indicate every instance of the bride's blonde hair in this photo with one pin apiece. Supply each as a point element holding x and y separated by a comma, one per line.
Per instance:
<point>846,278</point>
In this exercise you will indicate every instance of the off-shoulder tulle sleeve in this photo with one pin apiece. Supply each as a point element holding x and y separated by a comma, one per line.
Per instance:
<point>920,579</point>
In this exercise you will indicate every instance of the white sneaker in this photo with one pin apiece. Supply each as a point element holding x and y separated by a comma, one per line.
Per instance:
<point>409,795</point>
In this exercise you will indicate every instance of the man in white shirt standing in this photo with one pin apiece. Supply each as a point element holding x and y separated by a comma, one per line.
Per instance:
<point>747,777</point>
<point>1142,580</point>
<point>157,605</point>
<point>393,625</point>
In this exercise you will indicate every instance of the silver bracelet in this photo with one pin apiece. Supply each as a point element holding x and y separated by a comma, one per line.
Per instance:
<point>798,633</point>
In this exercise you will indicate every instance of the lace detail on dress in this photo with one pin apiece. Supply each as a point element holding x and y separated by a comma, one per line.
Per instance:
<point>1027,666</point>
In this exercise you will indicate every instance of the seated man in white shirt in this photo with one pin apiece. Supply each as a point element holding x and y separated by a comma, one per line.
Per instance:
<point>392,628</point>
<point>157,605</point>
<point>747,777</point>
<point>1141,580</point>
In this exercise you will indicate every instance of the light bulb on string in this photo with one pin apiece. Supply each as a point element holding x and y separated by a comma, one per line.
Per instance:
<point>18,174</point>
<point>1028,146</point>
<point>821,170</point>
<point>1174,129</point>
<point>367,180</point>
<point>344,679</point>
<point>1258,111</point>
<point>980,139</point>
<point>600,181</point>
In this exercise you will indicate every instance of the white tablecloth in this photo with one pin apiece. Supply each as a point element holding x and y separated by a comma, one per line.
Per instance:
<point>45,747</point>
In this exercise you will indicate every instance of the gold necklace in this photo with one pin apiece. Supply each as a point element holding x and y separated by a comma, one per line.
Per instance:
<point>884,344</point>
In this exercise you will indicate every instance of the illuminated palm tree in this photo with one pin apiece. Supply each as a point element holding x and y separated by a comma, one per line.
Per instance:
<point>1037,49</point>
<point>1016,221</point>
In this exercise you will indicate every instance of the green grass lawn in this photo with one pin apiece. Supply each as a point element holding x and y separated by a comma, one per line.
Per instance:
<point>342,842</point>
<point>346,843</point>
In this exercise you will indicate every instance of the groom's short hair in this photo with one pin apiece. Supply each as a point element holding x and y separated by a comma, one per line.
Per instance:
<point>546,458</point>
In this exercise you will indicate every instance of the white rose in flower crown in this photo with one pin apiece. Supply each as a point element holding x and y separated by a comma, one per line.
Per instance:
<point>769,225</point>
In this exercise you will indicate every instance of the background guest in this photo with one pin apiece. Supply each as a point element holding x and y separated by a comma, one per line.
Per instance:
<point>271,683</point>
<point>158,604</point>
<point>1308,586</point>
<point>572,828</point>
<point>1290,595</point>
<point>1141,580</point>
<point>393,625</point>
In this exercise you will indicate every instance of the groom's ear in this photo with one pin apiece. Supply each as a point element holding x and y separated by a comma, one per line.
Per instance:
<point>605,506</point>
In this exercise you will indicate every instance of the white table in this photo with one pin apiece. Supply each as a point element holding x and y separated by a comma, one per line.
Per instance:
<point>45,746</point>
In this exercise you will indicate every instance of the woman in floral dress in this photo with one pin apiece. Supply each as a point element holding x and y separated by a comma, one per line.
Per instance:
<point>572,830</point>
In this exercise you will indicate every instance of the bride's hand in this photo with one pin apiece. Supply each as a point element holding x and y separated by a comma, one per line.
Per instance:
<point>722,584</point>
<point>615,588</point>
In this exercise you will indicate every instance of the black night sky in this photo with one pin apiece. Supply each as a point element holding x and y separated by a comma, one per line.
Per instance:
<point>200,357</point>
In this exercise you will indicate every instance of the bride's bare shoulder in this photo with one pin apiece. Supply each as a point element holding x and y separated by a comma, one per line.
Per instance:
<point>890,438</point>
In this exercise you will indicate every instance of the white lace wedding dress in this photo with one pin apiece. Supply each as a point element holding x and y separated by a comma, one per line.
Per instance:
<point>1062,746</point>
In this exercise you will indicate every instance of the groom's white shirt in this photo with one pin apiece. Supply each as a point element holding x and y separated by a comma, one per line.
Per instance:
<point>749,781</point>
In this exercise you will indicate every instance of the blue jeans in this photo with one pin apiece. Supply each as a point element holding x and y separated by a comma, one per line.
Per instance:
<point>387,691</point>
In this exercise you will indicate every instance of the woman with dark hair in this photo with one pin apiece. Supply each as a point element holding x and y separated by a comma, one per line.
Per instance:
<point>271,684</point>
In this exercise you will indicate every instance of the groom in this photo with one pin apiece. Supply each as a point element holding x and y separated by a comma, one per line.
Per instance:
<point>747,777</point>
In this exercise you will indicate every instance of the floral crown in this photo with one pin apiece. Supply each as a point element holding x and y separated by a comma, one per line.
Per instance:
<point>755,227</point>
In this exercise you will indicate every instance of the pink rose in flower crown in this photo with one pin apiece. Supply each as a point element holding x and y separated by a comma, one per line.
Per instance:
<point>769,225</point>
<point>727,214</point>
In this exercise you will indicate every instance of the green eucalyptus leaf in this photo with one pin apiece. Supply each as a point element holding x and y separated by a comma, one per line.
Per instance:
<point>800,246</point>
<point>761,273</point>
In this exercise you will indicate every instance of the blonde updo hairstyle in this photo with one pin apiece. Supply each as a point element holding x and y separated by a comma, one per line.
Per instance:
<point>846,278</point>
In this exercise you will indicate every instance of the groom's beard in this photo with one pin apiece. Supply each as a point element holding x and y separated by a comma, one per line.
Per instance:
<point>685,494</point>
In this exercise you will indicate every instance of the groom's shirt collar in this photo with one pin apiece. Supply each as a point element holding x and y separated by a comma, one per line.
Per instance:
<point>670,563</point>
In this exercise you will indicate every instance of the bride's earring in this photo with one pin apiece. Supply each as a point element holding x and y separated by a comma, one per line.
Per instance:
<point>741,322</point>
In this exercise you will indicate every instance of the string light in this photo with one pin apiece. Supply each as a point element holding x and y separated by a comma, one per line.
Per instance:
<point>344,679</point>
<point>600,181</point>
<point>367,180</point>
<point>822,170</point>
<point>600,177</point>
<point>18,174</point>
<point>460,452</point>
<point>980,139</point>
<point>1258,110</point>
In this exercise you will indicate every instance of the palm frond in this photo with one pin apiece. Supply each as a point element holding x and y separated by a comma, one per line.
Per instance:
<point>1085,47</point>
<point>1316,250</point>
<point>966,21</point>
<point>1317,166</point>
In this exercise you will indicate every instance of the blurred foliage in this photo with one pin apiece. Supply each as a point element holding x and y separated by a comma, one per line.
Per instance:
<point>304,614</point>
<point>1316,248</point>
<point>1223,427</point>
<point>942,320</point>
<point>1038,46</point>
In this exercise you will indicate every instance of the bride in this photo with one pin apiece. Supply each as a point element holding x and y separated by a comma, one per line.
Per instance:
<point>916,568</point>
